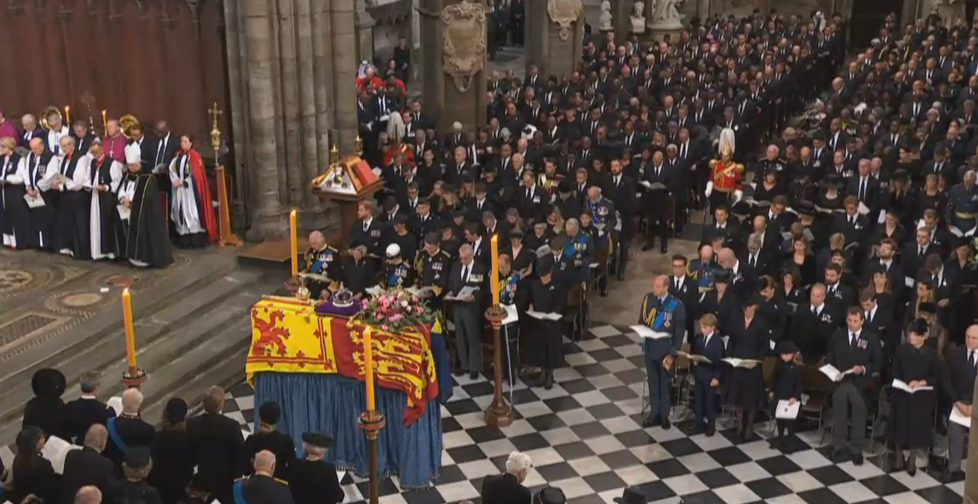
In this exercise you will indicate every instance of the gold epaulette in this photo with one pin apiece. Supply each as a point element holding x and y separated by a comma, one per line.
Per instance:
<point>282,481</point>
<point>713,163</point>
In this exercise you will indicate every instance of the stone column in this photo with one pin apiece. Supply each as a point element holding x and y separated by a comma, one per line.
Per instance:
<point>446,98</point>
<point>621,10</point>
<point>264,209</point>
<point>703,10</point>
<point>536,23</point>
<point>344,42</point>
<point>308,82</point>
<point>239,113</point>
<point>291,103</point>
<point>560,37</point>
<point>365,33</point>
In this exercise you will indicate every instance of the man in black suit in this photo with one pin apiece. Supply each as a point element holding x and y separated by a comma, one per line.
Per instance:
<point>656,202</point>
<point>87,467</point>
<point>467,272</point>
<point>865,188</point>
<point>836,291</point>
<point>885,262</point>
<point>531,199</point>
<point>684,288</point>
<point>507,488</point>
<point>622,194</point>
<point>706,377</point>
<point>219,446</point>
<point>914,254</point>
<point>880,321</point>
<point>813,324</point>
<point>166,145</point>
<point>855,351</point>
<point>458,167</point>
<point>959,382</point>
<point>87,410</point>
<point>851,223</point>
<point>367,229</point>
<point>128,430</point>
<point>755,260</point>
<point>268,438</point>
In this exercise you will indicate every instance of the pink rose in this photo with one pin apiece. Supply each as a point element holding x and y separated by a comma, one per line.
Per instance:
<point>384,327</point>
<point>396,317</point>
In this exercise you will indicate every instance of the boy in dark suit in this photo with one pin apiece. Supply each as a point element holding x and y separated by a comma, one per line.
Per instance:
<point>706,376</point>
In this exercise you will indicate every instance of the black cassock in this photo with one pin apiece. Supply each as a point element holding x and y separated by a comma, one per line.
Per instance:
<point>103,210</point>
<point>546,338</point>
<point>40,220</point>
<point>913,414</point>
<point>13,208</point>
<point>143,236</point>
<point>72,210</point>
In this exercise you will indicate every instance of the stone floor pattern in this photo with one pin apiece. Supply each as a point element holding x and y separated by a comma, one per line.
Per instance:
<point>585,436</point>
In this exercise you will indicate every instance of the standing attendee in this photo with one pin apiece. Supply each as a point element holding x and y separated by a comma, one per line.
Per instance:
<point>133,488</point>
<point>665,314</point>
<point>87,466</point>
<point>13,208</point>
<point>313,480</point>
<point>141,227</point>
<point>706,375</point>
<point>128,431</point>
<point>261,487</point>
<point>87,410</point>
<point>468,310</point>
<point>102,183</point>
<point>915,365</point>
<point>857,351</point>
<point>191,206</point>
<point>218,443</point>
<point>7,127</point>
<point>268,438</point>
<point>114,143</point>
<point>173,454</point>
<point>31,473</point>
<point>33,170</point>
<point>787,387</point>
<point>546,296</point>
<point>507,488</point>
<point>46,410</point>
<point>88,495</point>
<point>749,336</point>
<point>72,207</point>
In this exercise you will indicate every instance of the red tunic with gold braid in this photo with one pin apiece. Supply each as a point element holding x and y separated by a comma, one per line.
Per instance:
<point>407,152</point>
<point>726,175</point>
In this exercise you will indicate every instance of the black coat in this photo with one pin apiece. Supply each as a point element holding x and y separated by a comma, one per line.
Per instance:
<point>83,413</point>
<point>959,375</point>
<point>46,413</point>
<point>504,489</point>
<point>844,356</point>
<point>173,464</point>
<point>86,467</point>
<point>39,479</point>
<point>279,443</point>
<point>218,443</point>
<point>315,482</point>
<point>133,432</point>
<point>132,492</point>
<point>265,490</point>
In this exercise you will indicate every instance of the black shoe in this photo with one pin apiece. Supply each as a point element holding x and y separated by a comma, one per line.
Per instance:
<point>604,292</point>
<point>474,375</point>
<point>839,456</point>
<point>749,435</point>
<point>710,431</point>
<point>458,372</point>
<point>666,424</point>
<point>857,459</point>
<point>621,278</point>
<point>548,383</point>
<point>650,421</point>
<point>776,443</point>
<point>664,250</point>
<point>947,476</point>
<point>697,428</point>
<point>911,463</point>
<point>647,247</point>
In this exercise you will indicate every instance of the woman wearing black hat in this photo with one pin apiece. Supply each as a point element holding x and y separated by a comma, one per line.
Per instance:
<point>46,409</point>
<point>915,365</point>
<point>31,473</point>
<point>745,385</point>
<point>721,302</point>
<point>965,274</point>
<point>772,310</point>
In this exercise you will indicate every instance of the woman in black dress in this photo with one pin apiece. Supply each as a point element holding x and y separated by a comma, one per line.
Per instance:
<point>890,228</point>
<point>791,290</point>
<point>32,473</point>
<point>914,365</point>
<point>721,301</point>
<point>745,385</point>
<point>770,187</point>
<point>801,257</point>
<point>931,197</point>
<point>772,310</point>
<point>901,200</point>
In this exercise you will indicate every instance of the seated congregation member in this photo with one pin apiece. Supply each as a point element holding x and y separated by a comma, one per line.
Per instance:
<point>749,336</point>
<point>312,479</point>
<point>546,296</point>
<point>507,488</point>
<point>173,454</point>
<point>662,313</point>
<point>915,365</point>
<point>268,438</point>
<point>787,387</point>
<point>960,372</point>
<point>140,228</point>
<point>87,466</point>
<point>468,314</point>
<point>191,205</point>
<point>857,351</point>
<point>706,376</point>
<point>128,431</point>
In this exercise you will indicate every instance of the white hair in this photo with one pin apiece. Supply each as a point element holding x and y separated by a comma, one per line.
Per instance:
<point>518,462</point>
<point>132,400</point>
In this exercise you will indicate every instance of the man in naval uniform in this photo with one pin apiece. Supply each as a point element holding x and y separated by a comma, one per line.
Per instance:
<point>665,315</point>
<point>962,204</point>
<point>261,487</point>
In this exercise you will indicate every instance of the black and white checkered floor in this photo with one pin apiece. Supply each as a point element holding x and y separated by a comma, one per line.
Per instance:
<point>585,437</point>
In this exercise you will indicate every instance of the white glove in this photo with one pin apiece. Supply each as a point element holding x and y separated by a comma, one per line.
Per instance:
<point>709,189</point>
<point>738,195</point>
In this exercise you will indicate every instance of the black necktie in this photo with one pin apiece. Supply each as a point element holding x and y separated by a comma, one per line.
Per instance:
<point>465,274</point>
<point>971,359</point>
<point>852,339</point>
<point>159,155</point>
<point>862,189</point>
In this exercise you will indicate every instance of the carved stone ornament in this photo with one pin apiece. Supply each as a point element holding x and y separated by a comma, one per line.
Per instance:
<point>565,13</point>
<point>464,54</point>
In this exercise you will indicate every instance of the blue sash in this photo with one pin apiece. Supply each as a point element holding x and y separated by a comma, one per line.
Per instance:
<point>114,435</point>
<point>239,497</point>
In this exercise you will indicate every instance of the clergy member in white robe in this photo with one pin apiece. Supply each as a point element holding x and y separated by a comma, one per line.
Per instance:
<point>71,203</point>
<point>191,207</point>
<point>13,208</point>
<point>33,170</point>
<point>102,184</point>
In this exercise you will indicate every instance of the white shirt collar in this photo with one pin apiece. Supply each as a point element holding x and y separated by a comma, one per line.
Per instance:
<point>818,309</point>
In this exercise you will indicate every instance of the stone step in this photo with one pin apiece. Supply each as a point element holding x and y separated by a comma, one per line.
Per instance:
<point>172,327</point>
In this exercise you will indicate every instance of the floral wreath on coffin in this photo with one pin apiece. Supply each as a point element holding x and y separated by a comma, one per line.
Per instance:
<point>395,310</point>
